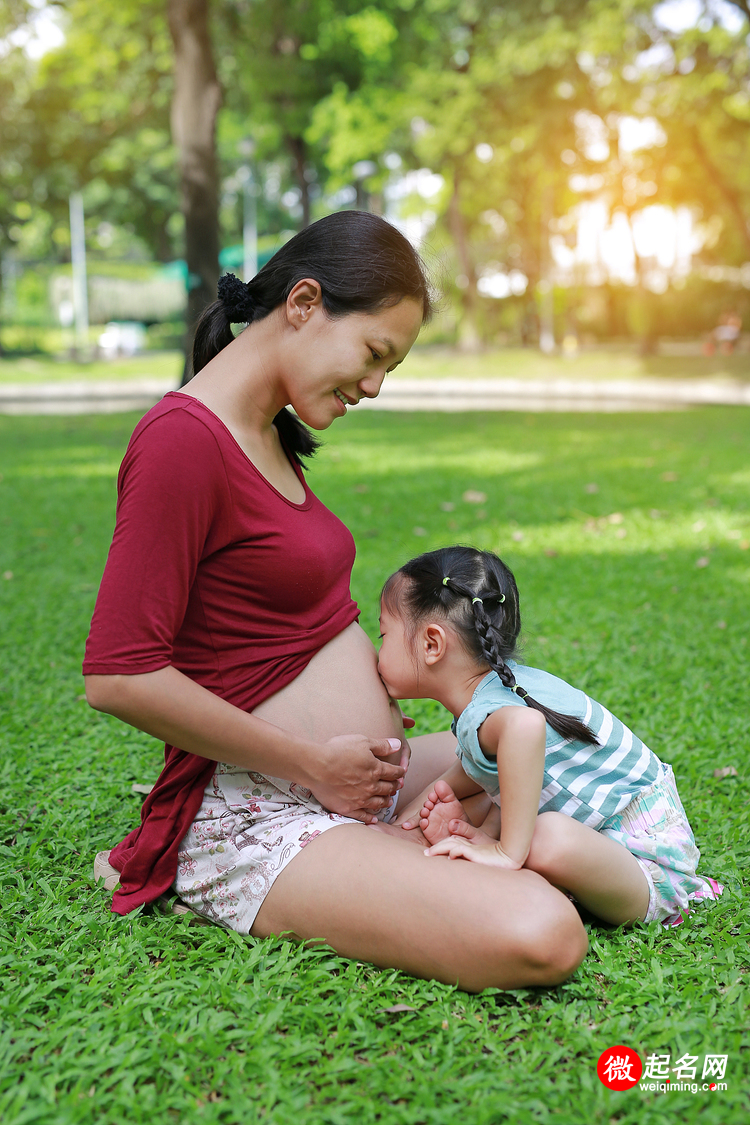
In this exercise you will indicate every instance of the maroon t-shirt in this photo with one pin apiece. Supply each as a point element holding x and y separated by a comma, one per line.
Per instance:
<point>213,571</point>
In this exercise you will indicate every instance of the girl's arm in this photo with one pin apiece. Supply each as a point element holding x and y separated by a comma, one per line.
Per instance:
<point>518,737</point>
<point>346,773</point>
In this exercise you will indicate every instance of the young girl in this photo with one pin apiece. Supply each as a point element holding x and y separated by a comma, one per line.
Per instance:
<point>576,796</point>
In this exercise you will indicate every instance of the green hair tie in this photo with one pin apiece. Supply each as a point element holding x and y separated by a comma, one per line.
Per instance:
<point>446,580</point>
<point>473,600</point>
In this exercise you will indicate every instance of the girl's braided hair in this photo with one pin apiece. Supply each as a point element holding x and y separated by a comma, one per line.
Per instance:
<point>476,593</point>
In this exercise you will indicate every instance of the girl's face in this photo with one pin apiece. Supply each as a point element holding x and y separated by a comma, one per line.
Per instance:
<point>335,363</point>
<point>397,663</point>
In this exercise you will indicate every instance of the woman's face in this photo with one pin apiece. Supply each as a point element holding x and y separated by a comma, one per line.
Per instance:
<point>333,363</point>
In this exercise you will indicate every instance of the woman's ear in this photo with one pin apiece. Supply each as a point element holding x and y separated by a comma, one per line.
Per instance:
<point>302,301</point>
<point>434,643</point>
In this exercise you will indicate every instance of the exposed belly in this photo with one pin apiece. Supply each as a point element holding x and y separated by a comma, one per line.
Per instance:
<point>339,692</point>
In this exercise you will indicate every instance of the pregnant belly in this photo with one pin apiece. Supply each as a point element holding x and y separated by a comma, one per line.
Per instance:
<point>339,692</point>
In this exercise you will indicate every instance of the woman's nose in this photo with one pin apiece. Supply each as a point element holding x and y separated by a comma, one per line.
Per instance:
<point>371,383</point>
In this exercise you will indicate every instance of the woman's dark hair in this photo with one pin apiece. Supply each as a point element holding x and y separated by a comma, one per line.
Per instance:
<point>361,263</point>
<point>476,593</point>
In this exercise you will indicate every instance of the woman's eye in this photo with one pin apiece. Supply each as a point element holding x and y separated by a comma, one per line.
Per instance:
<point>380,636</point>
<point>375,355</point>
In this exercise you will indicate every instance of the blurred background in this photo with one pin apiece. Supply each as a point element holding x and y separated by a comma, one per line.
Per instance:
<point>576,174</point>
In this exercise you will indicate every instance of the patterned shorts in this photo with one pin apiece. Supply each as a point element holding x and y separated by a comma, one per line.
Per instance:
<point>248,828</point>
<point>654,829</point>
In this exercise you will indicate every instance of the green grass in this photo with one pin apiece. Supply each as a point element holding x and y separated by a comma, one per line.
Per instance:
<point>47,369</point>
<point>599,363</point>
<point>144,1019</point>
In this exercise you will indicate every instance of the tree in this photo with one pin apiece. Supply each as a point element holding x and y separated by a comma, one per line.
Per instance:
<point>195,104</point>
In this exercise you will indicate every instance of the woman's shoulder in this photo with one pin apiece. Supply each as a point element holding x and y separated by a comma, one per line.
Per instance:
<point>176,448</point>
<point>178,429</point>
<point>177,416</point>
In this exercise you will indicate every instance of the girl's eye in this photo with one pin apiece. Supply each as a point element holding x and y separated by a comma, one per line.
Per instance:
<point>375,355</point>
<point>380,636</point>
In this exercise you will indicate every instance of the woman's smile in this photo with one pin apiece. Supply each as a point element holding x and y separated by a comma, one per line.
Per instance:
<point>344,398</point>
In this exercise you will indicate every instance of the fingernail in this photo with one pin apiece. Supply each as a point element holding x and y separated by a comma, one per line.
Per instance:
<point>394,743</point>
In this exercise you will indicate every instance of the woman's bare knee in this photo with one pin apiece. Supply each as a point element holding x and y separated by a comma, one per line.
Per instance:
<point>545,940</point>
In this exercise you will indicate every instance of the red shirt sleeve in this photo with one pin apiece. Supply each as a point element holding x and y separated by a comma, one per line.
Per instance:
<point>173,508</point>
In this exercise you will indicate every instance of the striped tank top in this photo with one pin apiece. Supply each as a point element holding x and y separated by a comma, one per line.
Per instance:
<point>589,783</point>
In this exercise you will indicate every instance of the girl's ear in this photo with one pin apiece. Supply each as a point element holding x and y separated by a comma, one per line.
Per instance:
<point>434,643</point>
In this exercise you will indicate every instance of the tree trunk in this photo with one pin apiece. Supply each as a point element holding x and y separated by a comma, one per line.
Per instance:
<point>299,159</point>
<point>469,339</point>
<point>195,104</point>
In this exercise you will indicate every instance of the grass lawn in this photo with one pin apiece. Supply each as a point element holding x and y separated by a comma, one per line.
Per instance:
<point>600,363</point>
<point>630,539</point>
<point>47,369</point>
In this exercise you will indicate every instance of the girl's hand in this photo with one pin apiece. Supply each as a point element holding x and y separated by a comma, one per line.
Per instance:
<point>468,842</point>
<point>350,777</point>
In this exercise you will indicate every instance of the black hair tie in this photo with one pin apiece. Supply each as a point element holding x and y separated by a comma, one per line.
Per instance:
<point>235,297</point>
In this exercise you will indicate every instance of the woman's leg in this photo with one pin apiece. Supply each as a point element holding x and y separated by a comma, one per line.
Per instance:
<point>376,898</point>
<point>431,756</point>
<point>602,874</point>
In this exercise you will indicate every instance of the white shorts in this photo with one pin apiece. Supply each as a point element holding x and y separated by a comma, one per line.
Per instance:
<point>248,828</point>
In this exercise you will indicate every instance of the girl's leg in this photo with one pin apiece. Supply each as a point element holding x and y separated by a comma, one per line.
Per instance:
<point>602,874</point>
<point>376,898</point>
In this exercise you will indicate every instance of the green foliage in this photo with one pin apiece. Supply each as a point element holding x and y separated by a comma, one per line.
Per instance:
<point>145,1019</point>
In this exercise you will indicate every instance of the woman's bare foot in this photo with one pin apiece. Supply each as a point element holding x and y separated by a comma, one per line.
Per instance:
<point>440,808</point>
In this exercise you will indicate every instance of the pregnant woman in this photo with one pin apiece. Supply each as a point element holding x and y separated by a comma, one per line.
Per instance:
<point>224,625</point>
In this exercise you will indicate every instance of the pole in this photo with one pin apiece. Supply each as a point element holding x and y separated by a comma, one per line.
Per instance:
<point>545,290</point>
<point>78,258</point>
<point>249,226</point>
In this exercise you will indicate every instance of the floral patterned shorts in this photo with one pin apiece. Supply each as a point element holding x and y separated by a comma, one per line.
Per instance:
<point>654,829</point>
<point>248,828</point>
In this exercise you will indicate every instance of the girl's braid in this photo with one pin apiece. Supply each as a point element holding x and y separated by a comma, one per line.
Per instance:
<point>490,640</point>
<point>487,634</point>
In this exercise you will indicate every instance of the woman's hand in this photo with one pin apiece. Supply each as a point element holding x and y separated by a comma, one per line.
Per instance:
<point>350,777</point>
<point>468,842</point>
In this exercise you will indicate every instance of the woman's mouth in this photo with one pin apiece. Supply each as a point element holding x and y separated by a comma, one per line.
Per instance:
<point>342,397</point>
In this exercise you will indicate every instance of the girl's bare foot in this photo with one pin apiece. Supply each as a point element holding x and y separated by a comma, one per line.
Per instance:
<point>440,808</point>
<point>413,835</point>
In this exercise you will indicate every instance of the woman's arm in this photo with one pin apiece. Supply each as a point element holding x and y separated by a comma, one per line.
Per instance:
<point>345,773</point>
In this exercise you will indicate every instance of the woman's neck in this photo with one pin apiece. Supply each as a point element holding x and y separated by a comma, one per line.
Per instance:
<point>242,383</point>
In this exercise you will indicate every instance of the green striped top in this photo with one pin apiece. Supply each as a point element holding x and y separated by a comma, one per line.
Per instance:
<point>589,783</point>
